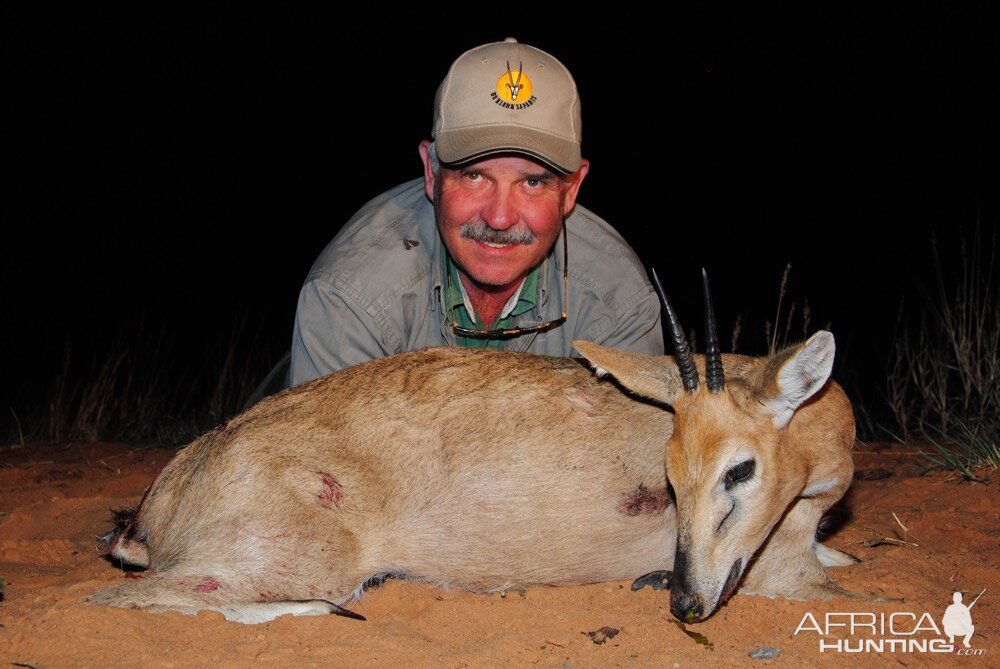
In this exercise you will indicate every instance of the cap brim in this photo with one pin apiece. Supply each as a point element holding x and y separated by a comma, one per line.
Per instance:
<point>467,144</point>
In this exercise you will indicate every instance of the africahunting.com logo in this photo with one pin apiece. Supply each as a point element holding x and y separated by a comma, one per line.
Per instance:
<point>898,632</point>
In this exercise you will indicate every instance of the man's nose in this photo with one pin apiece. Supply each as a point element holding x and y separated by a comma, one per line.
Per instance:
<point>500,211</point>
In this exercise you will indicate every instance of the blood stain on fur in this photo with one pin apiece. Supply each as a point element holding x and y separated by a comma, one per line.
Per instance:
<point>643,501</point>
<point>332,493</point>
<point>208,585</point>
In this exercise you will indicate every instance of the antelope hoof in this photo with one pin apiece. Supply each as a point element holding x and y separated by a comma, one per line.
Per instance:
<point>340,610</point>
<point>831,557</point>
<point>657,580</point>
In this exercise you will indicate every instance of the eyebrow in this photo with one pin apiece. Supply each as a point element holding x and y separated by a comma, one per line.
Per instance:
<point>544,175</point>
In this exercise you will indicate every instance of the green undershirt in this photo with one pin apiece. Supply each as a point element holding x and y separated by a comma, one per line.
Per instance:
<point>526,301</point>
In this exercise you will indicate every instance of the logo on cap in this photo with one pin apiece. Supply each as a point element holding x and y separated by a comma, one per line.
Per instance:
<point>513,89</point>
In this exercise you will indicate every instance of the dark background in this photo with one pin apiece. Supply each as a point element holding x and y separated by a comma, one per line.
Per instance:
<point>180,174</point>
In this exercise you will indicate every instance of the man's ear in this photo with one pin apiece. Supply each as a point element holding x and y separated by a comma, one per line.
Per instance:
<point>573,182</point>
<point>425,157</point>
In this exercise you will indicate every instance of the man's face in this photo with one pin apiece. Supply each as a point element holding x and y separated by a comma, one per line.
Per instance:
<point>500,216</point>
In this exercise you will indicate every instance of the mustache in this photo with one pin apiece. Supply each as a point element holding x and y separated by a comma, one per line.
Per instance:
<point>481,232</point>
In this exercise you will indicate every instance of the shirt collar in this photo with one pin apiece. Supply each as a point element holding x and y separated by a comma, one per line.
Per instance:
<point>547,274</point>
<point>524,299</point>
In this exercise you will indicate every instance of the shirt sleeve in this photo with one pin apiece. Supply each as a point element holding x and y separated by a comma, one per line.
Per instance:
<point>331,332</point>
<point>638,329</point>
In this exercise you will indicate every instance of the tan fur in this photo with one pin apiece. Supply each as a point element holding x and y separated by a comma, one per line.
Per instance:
<point>469,468</point>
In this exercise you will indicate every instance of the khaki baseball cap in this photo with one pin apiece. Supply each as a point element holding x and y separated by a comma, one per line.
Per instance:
<point>508,96</point>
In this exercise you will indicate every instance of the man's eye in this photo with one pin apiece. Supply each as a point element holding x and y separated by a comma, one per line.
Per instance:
<point>533,183</point>
<point>740,473</point>
<point>471,176</point>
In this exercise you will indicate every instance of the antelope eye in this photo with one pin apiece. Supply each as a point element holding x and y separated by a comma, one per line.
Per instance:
<point>740,473</point>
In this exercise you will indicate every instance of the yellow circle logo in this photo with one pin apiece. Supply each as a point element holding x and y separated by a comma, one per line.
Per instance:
<point>514,87</point>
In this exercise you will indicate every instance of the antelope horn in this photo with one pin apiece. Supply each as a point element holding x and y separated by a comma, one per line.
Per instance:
<point>715,378</point>
<point>685,359</point>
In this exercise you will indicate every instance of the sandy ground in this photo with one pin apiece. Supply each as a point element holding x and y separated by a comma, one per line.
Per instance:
<point>55,499</point>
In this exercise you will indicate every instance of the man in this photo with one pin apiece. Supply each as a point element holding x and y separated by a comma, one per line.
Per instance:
<point>475,253</point>
<point>957,620</point>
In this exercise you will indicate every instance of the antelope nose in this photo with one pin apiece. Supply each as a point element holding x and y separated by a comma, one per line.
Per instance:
<point>687,608</point>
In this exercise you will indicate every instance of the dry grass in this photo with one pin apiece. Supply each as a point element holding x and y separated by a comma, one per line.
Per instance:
<point>969,450</point>
<point>140,392</point>
<point>789,324</point>
<point>944,373</point>
<point>777,336</point>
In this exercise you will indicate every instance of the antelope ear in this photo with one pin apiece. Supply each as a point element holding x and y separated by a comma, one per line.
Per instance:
<point>792,376</point>
<point>653,376</point>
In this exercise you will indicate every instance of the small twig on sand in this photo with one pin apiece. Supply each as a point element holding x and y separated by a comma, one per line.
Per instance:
<point>880,539</point>
<point>906,532</point>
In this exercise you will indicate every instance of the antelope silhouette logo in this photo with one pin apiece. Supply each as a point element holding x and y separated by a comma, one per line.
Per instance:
<point>514,86</point>
<point>514,89</point>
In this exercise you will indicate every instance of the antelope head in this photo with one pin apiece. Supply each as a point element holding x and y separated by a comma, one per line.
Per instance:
<point>514,86</point>
<point>734,459</point>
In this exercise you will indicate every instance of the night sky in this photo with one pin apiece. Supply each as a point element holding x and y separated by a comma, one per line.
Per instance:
<point>185,176</point>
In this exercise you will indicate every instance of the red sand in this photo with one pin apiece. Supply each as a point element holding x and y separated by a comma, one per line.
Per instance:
<point>55,499</point>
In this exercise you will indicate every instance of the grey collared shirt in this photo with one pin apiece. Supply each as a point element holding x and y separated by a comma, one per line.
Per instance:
<point>377,289</point>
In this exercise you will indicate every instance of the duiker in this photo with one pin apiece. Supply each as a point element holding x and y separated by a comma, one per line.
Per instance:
<point>488,470</point>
